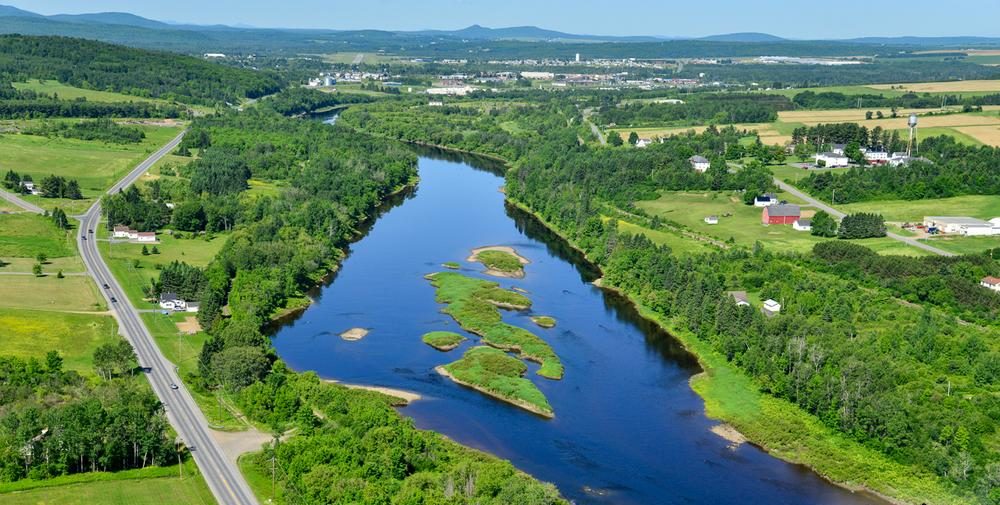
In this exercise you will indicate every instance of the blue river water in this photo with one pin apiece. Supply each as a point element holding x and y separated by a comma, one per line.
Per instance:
<point>628,428</point>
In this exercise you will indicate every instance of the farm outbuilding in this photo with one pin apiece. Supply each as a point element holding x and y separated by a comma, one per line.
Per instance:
<point>781,214</point>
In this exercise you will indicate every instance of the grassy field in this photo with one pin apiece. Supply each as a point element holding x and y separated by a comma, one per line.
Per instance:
<point>96,165</point>
<point>979,206</point>
<point>793,173</point>
<point>473,304</point>
<point>493,372</point>
<point>76,293</point>
<point>26,235</point>
<point>939,88</point>
<point>134,270</point>
<point>67,92</point>
<point>32,333</point>
<point>744,226</point>
<point>677,243</point>
<point>148,486</point>
<point>964,245</point>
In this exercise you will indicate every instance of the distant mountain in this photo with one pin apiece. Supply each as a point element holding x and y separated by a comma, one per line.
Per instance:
<point>109,18</point>
<point>7,10</point>
<point>744,37</point>
<point>477,32</point>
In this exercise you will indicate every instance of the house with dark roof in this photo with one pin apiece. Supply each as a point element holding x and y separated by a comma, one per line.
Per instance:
<point>802,225</point>
<point>780,214</point>
<point>700,163</point>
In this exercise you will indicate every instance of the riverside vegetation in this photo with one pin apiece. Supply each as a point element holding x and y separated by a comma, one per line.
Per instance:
<point>495,373</point>
<point>443,340</point>
<point>349,445</point>
<point>866,388</point>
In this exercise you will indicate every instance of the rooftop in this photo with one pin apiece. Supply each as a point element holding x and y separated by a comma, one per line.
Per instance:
<point>783,210</point>
<point>991,280</point>
<point>956,220</point>
<point>698,159</point>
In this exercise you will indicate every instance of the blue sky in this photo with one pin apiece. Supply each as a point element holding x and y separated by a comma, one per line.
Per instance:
<point>789,18</point>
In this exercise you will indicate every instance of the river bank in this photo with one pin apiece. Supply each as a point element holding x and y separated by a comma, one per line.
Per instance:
<point>780,427</point>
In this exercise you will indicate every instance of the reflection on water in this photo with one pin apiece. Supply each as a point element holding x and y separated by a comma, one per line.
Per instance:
<point>628,429</point>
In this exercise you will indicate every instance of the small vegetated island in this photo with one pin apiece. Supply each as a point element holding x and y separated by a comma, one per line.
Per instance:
<point>443,340</point>
<point>474,304</point>
<point>500,261</point>
<point>544,321</point>
<point>497,374</point>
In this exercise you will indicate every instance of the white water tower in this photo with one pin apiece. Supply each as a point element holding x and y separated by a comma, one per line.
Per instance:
<point>911,147</point>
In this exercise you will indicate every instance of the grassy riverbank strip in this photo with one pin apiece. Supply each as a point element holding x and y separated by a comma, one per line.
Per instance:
<point>786,431</point>
<point>494,373</point>
<point>473,304</point>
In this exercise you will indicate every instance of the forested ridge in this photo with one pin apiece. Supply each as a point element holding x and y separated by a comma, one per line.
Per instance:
<point>96,65</point>
<point>907,381</point>
<point>698,108</point>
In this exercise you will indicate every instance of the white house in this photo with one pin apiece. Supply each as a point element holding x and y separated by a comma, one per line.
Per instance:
<point>120,231</point>
<point>802,225</point>
<point>212,56</point>
<point>643,142</point>
<point>454,91</point>
<point>832,160</point>
<point>740,297</point>
<point>838,149</point>
<point>765,200</point>
<point>435,103</point>
<point>991,283</point>
<point>191,307</point>
<point>712,220</point>
<point>30,187</point>
<point>772,306</point>
<point>170,301</point>
<point>145,236</point>
<point>876,157</point>
<point>699,163</point>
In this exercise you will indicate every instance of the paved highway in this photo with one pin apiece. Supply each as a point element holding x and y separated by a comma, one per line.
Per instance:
<point>16,200</point>
<point>788,188</point>
<point>222,476</point>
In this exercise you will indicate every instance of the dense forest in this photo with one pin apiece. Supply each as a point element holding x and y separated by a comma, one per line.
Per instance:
<point>908,381</point>
<point>54,421</point>
<point>953,169</point>
<point>96,65</point>
<point>698,109</point>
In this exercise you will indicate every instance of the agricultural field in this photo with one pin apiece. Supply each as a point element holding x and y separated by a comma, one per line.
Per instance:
<point>26,235</point>
<point>978,206</point>
<point>944,87</point>
<point>32,333</point>
<point>96,165</point>
<point>964,245</point>
<point>67,92</point>
<point>743,226</point>
<point>76,293</point>
<point>677,243</point>
<point>793,173</point>
<point>770,133</point>
<point>134,270</point>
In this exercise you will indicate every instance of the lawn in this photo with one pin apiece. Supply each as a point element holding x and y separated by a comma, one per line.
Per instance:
<point>676,243</point>
<point>793,173</point>
<point>26,235</point>
<point>148,486</point>
<point>32,333</point>
<point>95,165</point>
<point>979,206</point>
<point>76,293</point>
<point>122,258</point>
<point>743,226</point>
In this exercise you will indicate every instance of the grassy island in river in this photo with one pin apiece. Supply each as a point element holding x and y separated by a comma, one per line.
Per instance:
<point>544,321</point>
<point>473,303</point>
<point>494,373</point>
<point>443,340</point>
<point>500,261</point>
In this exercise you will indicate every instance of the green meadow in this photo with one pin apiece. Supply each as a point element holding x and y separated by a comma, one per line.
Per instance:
<point>30,333</point>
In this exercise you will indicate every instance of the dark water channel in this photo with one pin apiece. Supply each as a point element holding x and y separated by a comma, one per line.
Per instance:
<point>628,428</point>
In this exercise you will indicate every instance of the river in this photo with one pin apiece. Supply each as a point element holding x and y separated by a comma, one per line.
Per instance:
<point>628,428</point>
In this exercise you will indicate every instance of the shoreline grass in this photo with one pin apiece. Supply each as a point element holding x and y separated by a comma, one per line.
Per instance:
<point>494,373</point>
<point>473,304</point>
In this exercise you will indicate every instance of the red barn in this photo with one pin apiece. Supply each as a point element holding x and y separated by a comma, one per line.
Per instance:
<point>780,214</point>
